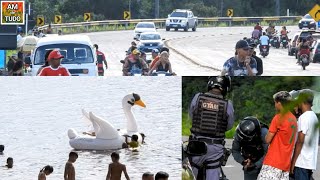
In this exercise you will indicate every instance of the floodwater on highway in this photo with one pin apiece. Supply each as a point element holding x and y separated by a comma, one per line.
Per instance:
<point>36,114</point>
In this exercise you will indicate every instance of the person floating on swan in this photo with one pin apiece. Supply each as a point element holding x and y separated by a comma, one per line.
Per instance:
<point>105,136</point>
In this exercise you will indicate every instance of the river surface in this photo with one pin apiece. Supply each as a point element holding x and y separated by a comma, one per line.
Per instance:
<point>36,113</point>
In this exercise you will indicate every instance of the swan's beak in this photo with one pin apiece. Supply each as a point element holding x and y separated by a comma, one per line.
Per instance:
<point>140,103</point>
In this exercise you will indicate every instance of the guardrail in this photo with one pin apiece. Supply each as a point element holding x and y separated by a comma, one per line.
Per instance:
<point>161,22</point>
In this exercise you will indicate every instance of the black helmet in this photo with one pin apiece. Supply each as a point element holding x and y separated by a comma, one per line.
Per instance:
<point>248,128</point>
<point>223,83</point>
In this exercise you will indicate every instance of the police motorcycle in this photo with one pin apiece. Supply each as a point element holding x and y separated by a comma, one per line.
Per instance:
<point>193,148</point>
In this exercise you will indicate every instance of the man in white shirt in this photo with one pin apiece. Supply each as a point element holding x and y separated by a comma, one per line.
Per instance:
<point>304,158</point>
<point>264,41</point>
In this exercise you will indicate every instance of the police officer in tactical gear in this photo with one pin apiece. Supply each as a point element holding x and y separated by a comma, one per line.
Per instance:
<point>249,146</point>
<point>212,115</point>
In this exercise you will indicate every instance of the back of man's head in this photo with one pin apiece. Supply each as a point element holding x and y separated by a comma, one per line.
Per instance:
<point>283,97</point>
<point>306,96</point>
<point>147,175</point>
<point>73,154</point>
<point>115,155</point>
<point>164,49</point>
<point>1,148</point>
<point>162,176</point>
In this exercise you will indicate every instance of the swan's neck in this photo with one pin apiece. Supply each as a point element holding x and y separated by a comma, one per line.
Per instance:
<point>131,121</point>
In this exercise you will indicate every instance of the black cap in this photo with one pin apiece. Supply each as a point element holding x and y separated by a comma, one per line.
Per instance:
<point>252,45</point>
<point>242,44</point>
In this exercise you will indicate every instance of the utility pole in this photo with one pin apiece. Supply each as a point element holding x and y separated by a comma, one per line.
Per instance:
<point>221,10</point>
<point>277,7</point>
<point>130,8</point>
<point>156,9</point>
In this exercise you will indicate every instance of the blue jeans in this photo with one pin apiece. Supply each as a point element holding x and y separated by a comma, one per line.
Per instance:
<point>302,174</point>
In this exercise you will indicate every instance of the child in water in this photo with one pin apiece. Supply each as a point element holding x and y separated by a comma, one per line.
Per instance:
<point>44,172</point>
<point>9,162</point>
<point>134,141</point>
<point>116,168</point>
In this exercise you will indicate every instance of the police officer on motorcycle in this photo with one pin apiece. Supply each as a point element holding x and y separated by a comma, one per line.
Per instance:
<point>249,146</point>
<point>212,115</point>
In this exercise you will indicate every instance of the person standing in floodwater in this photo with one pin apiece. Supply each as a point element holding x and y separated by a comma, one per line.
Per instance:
<point>44,172</point>
<point>116,168</point>
<point>69,171</point>
<point>9,162</point>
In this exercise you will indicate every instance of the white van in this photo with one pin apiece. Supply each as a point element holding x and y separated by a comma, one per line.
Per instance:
<point>79,55</point>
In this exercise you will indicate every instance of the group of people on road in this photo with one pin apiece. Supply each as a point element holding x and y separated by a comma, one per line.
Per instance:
<point>136,62</point>
<point>287,148</point>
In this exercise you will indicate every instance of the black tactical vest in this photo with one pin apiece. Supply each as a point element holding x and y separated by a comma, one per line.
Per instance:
<point>210,118</point>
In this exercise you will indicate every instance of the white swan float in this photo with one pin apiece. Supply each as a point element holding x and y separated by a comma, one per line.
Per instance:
<point>107,137</point>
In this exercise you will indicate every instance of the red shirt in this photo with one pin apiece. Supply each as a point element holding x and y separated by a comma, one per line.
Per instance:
<point>154,61</point>
<point>100,53</point>
<point>281,147</point>
<point>258,27</point>
<point>49,71</point>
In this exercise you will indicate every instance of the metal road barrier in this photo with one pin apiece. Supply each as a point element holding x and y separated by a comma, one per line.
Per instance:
<point>161,22</point>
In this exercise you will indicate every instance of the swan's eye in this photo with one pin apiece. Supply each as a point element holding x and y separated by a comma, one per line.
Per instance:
<point>132,100</point>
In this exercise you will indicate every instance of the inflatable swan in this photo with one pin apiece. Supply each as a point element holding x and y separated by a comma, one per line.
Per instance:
<point>107,137</point>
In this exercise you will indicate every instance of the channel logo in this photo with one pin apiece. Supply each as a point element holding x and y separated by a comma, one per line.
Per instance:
<point>12,12</point>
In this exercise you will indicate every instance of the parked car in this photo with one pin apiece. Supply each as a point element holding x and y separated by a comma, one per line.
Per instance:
<point>142,27</point>
<point>149,41</point>
<point>307,22</point>
<point>181,19</point>
<point>315,52</point>
<point>293,44</point>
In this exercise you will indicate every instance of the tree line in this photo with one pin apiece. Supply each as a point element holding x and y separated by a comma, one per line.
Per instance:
<point>73,10</point>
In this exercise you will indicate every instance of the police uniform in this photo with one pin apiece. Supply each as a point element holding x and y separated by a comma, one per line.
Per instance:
<point>212,116</point>
<point>255,150</point>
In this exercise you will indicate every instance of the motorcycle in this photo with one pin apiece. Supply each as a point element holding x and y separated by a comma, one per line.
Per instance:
<point>162,73</point>
<point>284,41</point>
<point>304,61</point>
<point>135,71</point>
<point>275,42</point>
<point>264,51</point>
<point>255,40</point>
